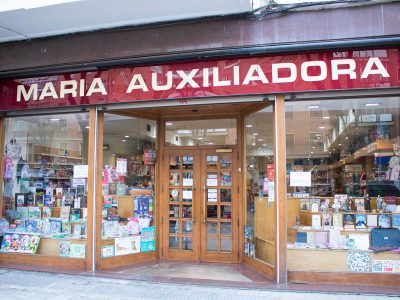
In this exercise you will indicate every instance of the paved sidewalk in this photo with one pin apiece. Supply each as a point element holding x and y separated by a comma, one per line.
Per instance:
<point>17,284</point>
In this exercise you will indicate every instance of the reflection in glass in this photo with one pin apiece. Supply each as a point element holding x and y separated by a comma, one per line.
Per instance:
<point>226,179</point>
<point>212,211</point>
<point>174,242</point>
<point>174,226</point>
<point>226,228</point>
<point>174,179</point>
<point>212,161</point>
<point>174,162</point>
<point>174,211</point>
<point>186,211</point>
<point>187,226</point>
<point>226,245</point>
<point>225,195</point>
<point>226,211</point>
<point>226,162</point>
<point>212,179</point>
<point>187,195</point>
<point>212,228</point>
<point>174,195</point>
<point>187,178</point>
<point>212,195</point>
<point>187,162</point>
<point>212,244</point>
<point>187,243</point>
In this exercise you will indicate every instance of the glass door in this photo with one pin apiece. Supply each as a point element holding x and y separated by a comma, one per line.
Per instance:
<point>180,196</point>
<point>219,216</point>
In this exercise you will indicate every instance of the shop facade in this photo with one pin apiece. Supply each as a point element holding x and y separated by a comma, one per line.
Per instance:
<point>284,163</point>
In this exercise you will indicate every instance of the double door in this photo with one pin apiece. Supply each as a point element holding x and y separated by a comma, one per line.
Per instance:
<point>199,205</point>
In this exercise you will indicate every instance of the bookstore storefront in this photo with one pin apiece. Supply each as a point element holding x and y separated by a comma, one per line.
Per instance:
<point>285,163</point>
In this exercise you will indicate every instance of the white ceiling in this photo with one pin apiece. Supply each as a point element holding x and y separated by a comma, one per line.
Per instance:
<point>27,19</point>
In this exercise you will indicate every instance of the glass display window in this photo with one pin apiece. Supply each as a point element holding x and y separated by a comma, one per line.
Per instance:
<point>45,184</point>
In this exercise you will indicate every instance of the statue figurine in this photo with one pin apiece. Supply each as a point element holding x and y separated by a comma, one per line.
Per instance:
<point>367,203</point>
<point>379,203</point>
<point>336,205</point>
<point>350,203</point>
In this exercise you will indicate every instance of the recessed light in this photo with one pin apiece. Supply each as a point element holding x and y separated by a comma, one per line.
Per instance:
<point>326,117</point>
<point>371,104</point>
<point>312,152</point>
<point>313,147</point>
<point>264,145</point>
<point>253,144</point>
<point>255,133</point>
<point>127,136</point>
<point>340,144</point>
<point>260,140</point>
<point>249,125</point>
<point>211,143</point>
<point>168,123</point>
<point>200,138</point>
<point>321,127</point>
<point>334,149</point>
<point>54,119</point>
<point>347,137</point>
<point>313,106</point>
<point>123,140</point>
<point>325,150</point>
<point>87,127</point>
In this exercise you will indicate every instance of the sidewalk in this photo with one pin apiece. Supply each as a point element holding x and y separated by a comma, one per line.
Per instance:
<point>17,284</point>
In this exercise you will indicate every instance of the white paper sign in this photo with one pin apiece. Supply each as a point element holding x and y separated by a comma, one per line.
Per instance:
<point>76,182</point>
<point>81,171</point>
<point>121,166</point>
<point>187,181</point>
<point>212,195</point>
<point>271,195</point>
<point>187,194</point>
<point>300,178</point>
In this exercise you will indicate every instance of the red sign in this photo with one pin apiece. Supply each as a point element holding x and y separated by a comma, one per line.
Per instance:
<point>271,172</point>
<point>357,69</point>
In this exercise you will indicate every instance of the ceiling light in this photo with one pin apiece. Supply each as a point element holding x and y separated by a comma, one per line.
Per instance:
<point>313,106</point>
<point>347,137</point>
<point>371,104</point>
<point>253,144</point>
<point>340,144</point>
<point>123,140</point>
<point>312,152</point>
<point>321,127</point>
<point>334,149</point>
<point>255,133</point>
<point>249,125</point>
<point>168,123</point>
<point>264,145</point>
<point>55,119</point>
<point>211,143</point>
<point>313,147</point>
<point>87,127</point>
<point>326,117</point>
<point>260,140</point>
<point>127,136</point>
<point>200,138</point>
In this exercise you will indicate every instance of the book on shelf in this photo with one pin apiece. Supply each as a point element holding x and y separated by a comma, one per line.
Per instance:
<point>316,221</point>
<point>372,221</point>
<point>321,238</point>
<point>20,199</point>
<point>337,220</point>
<point>310,237</point>
<point>348,221</point>
<point>65,248</point>
<point>34,212</point>
<point>359,204</point>
<point>64,213</point>
<point>361,240</point>
<point>23,212</point>
<point>315,203</point>
<point>305,204</point>
<point>46,212</point>
<point>396,221</point>
<point>361,221</point>
<point>384,220</point>
<point>326,219</point>
<point>301,237</point>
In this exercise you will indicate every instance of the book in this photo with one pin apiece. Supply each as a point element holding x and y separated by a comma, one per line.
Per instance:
<point>45,227</point>
<point>107,251</point>
<point>348,219</point>
<point>77,251</point>
<point>46,212</point>
<point>326,219</point>
<point>359,203</point>
<point>321,238</point>
<point>77,231</point>
<point>55,226</point>
<point>39,200</point>
<point>310,237</point>
<point>66,227</point>
<point>23,212</point>
<point>315,203</point>
<point>316,221</point>
<point>20,199</point>
<point>127,245</point>
<point>372,221</point>
<point>361,240</point>
<point>33,212</point>
<point>32,225</point>
<point>337,220</point>
<point>64,213</point>
<point>301,237</point>
<point>361,221</point>
<point>396,221</point>
<point>148,239</point>
<point>112,188</point>
<point>304,204</point>
<point>47,200</point>
<point>246,248</point>
<point>65,248</point>
<point>121,189</point>
<point>252,251</point>
<point>30,200</point>
<point>384,221</point>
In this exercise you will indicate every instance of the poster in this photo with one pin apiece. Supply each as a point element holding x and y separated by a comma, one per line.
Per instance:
<point>127,245</point>
<point>149,156</point>
<point>300,178</point>
<point>20,242</point>
<point>81,171</point>
<point>122,164</point>
<point>271,172</point>
<point>148,239</point>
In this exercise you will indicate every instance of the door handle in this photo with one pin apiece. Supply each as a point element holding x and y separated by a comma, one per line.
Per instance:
<point>204,204</point>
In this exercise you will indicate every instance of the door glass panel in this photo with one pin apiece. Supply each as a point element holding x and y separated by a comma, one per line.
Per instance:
<point>212,244</point>
<point>174,162</point>
<point>226,212</point>
<point>226,228</point>
<point>226,162</point>
<point>187,195</point>
<point>212,228</point>
<point>187,162</point>
<point>187,243</point>
<point>174,242</point>
<point>174,211</point>
<point>173,226</point>
<point>174,195</point>
<point>187,178</point>
<point>212,195</point>
<point>174,178</point>
<point>212,211</point>
<point>186,211</point>
<point>212,179</point>
<point>225,195</point>
<point>212,162</point>
<point>187,226</point>
<point>226,245</point>
<point>226,179</point>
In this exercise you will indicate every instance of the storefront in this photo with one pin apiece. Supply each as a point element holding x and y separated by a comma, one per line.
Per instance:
<point>284,163</point>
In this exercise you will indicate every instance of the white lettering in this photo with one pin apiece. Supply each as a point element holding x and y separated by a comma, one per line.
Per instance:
<point>96,86</point>
<point>350,70</point>
<point>236,74</point>
<point>259,75</point>
<point>137,83</point>
<point>216,81</point>
<point>275,72</point>
<point>317,63</point>
<point>165,87</point>
<point>206,79</point>
<point>33,91</point>
<point>380,68</point>
<point>187,79</point>
<point>64,89</point>
<point>48,91</point>
<point>82,87</point>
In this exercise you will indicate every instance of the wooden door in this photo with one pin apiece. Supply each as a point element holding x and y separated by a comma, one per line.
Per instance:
<point>199,206</point>
<point>219,213</point>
